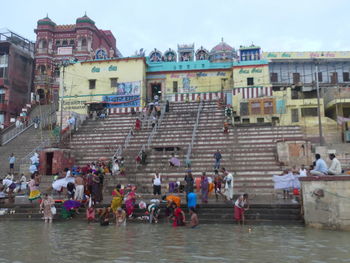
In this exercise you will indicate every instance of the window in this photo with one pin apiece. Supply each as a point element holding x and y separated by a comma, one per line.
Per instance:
<point>320,77</point>
<point>3,72</point>
<point>42,69</point>
<point>114,83</point>
<point>250,81</point>
<point>57,72</point>
<point>175,86</point>
<point>83,42</point>
<point>64,43</point>
<point>295,94</point>
<point>295,115</point>
<point>296,78</point>
<point>244,108</point>
<point>71,42</point>
<point>3,60</point>
<point>334,78</point>
<point>274,77</point>
<point>58,43</point>
<point>268,107</point>
<point>255,108</point>
<point>92,83</point>
<point>307,112</point>
<point>2,94</point>
<point>260,120</point>
<point>346,76</point>
<point>43,43</point>
<point>245,120</point>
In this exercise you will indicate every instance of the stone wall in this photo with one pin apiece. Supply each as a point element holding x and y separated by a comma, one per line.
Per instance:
<point>294,152</point>
<point>326,202</point>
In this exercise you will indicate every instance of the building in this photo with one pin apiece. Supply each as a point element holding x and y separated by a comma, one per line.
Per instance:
<point>57,44</point>
<point>16,74</point>
<point>299,70</point>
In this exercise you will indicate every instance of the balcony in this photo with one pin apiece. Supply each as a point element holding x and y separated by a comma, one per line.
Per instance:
<point>42,79</point>
<point>3,105</point>
<point>336,95</point>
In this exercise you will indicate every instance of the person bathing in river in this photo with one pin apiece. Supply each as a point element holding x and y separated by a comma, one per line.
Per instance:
<point>178,216</point>
<point>194,218</point>
<point>45,206</point>
<point>241,205</point>
<point>120,217</point>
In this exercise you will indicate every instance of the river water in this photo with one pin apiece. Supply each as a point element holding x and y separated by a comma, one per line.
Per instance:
<point>80,242</point>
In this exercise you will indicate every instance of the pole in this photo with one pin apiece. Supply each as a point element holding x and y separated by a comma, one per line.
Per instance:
<point>318,107</point>
<point>62,101</point>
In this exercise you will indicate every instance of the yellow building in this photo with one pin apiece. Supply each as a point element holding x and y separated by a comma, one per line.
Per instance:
<point>118,83</point>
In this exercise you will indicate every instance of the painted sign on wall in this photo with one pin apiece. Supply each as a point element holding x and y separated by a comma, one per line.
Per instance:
<point>129,88</point>
<point>115,101</point>
<point>306,55</point>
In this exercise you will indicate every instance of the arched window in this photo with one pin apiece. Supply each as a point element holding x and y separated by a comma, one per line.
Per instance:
<point>42,69</point>
<point>43,43</point>
<point>64,43</point>
<point>71,42</point>
<point>83,42</point>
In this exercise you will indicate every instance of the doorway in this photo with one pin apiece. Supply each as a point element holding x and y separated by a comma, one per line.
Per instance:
<point>49,159</point>
<point>156,89</point>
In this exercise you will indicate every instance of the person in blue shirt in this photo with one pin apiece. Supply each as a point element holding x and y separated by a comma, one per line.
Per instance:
<point>320,168</point>
<point>191,200</point>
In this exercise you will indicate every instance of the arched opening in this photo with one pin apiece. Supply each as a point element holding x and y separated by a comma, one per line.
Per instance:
<point>42,69</point>
<point>64,43</point>
<point>83,42</point>
<point>41,93</point>
<point>43,43</point>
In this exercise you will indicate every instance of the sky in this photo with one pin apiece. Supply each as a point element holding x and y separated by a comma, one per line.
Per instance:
<point>275,25</point>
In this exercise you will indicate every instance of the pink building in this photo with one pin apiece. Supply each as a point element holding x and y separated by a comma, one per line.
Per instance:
<point>58,43</point>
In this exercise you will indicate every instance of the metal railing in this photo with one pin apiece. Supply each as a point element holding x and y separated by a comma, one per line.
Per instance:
<point>194,132</point>
<point>12,132</point>
<point>154,131</point>
<point>144,118</point>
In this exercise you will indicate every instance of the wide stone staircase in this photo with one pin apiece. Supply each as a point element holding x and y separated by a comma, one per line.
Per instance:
<point>25,142</point>
<point>214,213</point>
<point>99,139</point>
<point>248,151</point>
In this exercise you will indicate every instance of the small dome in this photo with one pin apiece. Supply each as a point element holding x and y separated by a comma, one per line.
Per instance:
<point>85,19</point>
<point>46,21</point>
<point>222,52</point>
<point>222,46</point>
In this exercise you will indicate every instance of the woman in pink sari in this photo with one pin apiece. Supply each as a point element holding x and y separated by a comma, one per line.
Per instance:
<point>130,202</point>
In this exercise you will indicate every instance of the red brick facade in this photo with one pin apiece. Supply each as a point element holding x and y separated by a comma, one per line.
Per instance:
<point>57,43</point>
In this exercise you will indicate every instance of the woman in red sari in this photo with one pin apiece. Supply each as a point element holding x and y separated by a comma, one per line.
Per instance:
<point>138,124</point>
<point>130,202</point>
<point>178,216</point>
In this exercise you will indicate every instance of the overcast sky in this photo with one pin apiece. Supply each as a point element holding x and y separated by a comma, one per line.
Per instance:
<point>275,25</point>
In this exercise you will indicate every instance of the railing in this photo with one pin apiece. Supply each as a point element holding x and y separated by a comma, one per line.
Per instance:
<point>128,137</point>
<point>154,131</point>
<point>190,145</point>
<point>336,94</point>
<point>12,132</point>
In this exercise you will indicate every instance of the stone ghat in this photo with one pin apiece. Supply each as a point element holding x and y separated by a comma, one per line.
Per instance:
<point>215,213</point>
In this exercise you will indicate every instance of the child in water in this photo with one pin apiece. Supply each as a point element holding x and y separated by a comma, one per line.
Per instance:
<point>194,218</point>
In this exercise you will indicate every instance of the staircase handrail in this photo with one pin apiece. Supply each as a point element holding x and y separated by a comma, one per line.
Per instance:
<point>195,127</point>
<point>11,134</point>
<point>154,130</point>
<point>42,145</point>
<point>123,146</point>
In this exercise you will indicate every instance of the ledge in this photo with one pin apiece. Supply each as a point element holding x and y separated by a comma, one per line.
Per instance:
<point>325,178</point>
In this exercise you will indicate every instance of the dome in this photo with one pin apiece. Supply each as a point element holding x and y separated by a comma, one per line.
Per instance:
<point>222,52</point>
<point>46,21</point>
<point>222,47</point>
<point>85,19</point>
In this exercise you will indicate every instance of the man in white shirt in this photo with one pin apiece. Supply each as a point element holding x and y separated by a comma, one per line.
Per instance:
<point>157,184</point>
<point>335,167</point>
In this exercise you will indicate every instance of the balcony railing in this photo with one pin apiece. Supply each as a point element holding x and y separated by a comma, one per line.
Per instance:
<point>42,79</point>
<point>336,93</point>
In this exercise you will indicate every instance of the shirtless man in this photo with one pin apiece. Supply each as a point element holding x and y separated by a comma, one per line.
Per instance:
<point>194,218</point>
<point>120,217</point>
<point>79,188</point>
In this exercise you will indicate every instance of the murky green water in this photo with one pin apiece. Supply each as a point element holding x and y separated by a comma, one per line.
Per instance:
<point>80,242</point>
